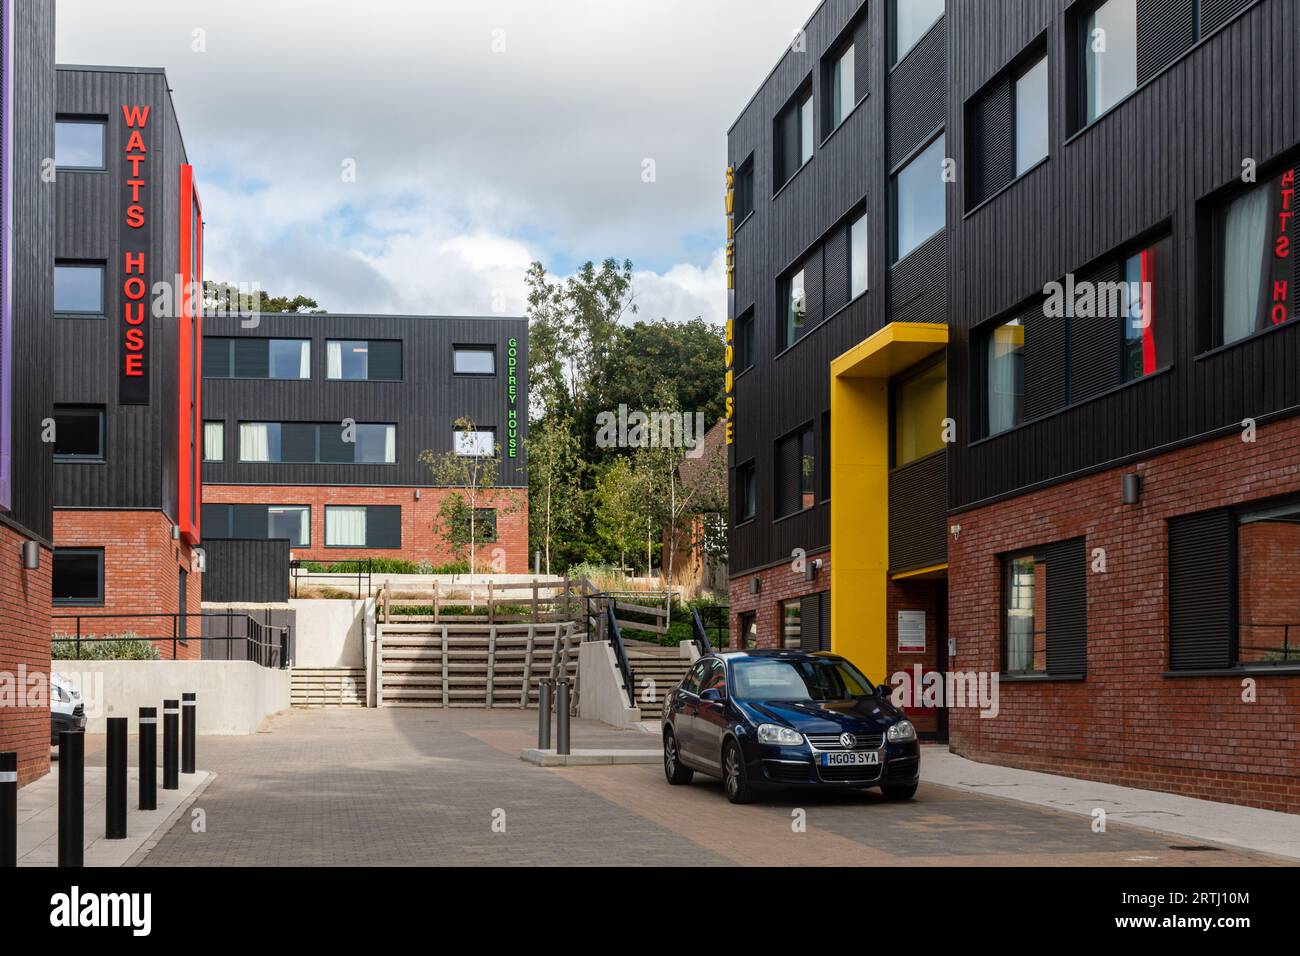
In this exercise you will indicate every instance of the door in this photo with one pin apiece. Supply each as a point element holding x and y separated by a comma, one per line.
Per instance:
<point>711,716</point>
<point>685,706</point>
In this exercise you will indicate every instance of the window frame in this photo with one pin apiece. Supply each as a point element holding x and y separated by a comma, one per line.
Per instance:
<point>1082,51</point>
<point>98,601</point>
<point>102,266</point>
<point>215,341</point>
<point>478,432</point>
<point>367,545</point>
<point>803,103</point>
<point>72,119</point>
<point>86,411</point>
<point>316,460</point>
<point>896,55</point>
<point>912,374</point>
<point>895,181</point>
<point>1034,57</point>
<point>214,421</point>
<point>1006,562</point>
<point>751,496</point>
<point>804,432</point>
<point>457,349</point>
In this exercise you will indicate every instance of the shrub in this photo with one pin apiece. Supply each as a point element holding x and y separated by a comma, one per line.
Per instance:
<point>118,647</point>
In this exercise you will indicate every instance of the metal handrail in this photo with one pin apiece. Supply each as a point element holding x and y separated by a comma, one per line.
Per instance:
<point>270,645</point>
<point>701,636</point>
<point>620,653</point>
<point>364,571</point>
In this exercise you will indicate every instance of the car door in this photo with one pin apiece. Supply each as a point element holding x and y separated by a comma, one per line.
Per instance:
<point>711,715</point>
<point>685,706</point>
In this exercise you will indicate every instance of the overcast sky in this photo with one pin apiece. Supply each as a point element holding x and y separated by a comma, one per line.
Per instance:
<point>485,134</point>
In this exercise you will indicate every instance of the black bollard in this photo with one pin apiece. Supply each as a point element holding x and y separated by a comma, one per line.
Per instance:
<point>544,714</point>
<point>115,782</point>
<point>148,758</point>
<point>8,808</point>
<point>171,745</point>
<point>562,716</point>
<point>72,797</point>
<point>189,718</point>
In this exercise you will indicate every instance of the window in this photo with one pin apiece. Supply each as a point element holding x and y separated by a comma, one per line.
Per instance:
<point>796,472</point>
<point>1007,125</point>
<point>78,289</point>
<point>1268,607</point>
<point>317,443</point>
<point>920,407</point>
<point>353,360</point>
<point>214,441</point>
<point>79,144</point>
<point>475,444</point>
<point>794,137</point>
<point>746,496</point>
<point>742,200</point>
<point>258,522</point>
<point>858,256</point>
<point>1005,376</point>
<point>1144,334</point>
<point>1044,610</point>
<point>748,622</point>
<point>363,526</point>
<point>78,432</point>
<point>78,577</point>
<point>1110,56</point>
<point>795,302</point>
<point>1256,273</point>
<point>744,341</point>
<point>843,96</point>
<point>253,358</point>
<point>472,360</point>
<point>1031,116</point>
<point>919,199</point>
<point>912,20</point>
<point>791,629</point>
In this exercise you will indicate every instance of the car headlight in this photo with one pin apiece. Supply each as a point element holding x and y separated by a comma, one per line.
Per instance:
<point>776,734</point>
<point>902,732</point>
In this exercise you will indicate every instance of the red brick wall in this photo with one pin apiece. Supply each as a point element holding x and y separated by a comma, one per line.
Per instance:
<point>779,584</point>
<point>1127,723</point>
<point>421,539</point>
<point>24,658</point>
<point>141,563</point>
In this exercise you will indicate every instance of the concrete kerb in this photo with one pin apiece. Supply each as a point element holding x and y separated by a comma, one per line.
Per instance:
<point>588,758</point>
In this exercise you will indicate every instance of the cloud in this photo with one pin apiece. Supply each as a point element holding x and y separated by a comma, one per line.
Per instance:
<point>483,135</point>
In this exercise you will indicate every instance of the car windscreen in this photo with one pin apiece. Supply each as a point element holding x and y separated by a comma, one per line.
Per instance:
<point>818,679</point>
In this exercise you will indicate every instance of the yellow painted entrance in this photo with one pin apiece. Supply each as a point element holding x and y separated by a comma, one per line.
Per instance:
<point>860,484</point>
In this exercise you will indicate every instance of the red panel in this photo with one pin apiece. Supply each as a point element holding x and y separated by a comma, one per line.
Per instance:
<point>189,321</point>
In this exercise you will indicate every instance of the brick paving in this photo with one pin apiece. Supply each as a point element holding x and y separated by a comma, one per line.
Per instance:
<point>421,787</point>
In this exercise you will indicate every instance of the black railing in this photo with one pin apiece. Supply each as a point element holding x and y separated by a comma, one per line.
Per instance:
<point>359,568</point>
<point>1249,652</point>
<point>266,644</point>
<point>620,653</point>
<point>701,635</point>
<point>712,623</point>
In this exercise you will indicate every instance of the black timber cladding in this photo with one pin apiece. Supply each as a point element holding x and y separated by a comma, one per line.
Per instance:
<point>1148,165</point>
<point>246,571</point>
<point>424,404</point>
<point>33,345</point>
<point>850,169</point>
<point>140,469</point>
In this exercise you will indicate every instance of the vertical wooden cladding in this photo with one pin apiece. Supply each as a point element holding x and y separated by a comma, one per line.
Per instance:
<point>782,392</point>
<point>424,404</point>
<point>189,408</point>
<point>1148,165</point>
<point>918,285</point>
<point>247,571</point>
<point>918,514</point>
<point>918,93</point>
<point>141,450</point>
<point>29,245</point>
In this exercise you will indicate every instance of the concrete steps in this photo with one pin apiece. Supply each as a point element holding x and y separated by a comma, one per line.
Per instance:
<point>327,687</point>
<point>657,672</point>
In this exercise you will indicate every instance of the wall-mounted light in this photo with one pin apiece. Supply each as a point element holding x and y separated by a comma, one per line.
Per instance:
<point>31,555</point>
<point>1131,486</point>
<point>956,531</point>
<point>811,568</point>
<point>176,532</point>
<point>417,494</point>
<point>200,560</point>
<point>755,585</point>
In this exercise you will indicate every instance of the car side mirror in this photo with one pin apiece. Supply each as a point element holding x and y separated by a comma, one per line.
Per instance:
<point>884,691</point>
<point>712,695</point>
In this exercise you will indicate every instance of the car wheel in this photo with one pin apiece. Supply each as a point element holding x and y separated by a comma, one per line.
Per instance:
<point>902,792</point>
<point>734,779</point>
<point>676,772</point>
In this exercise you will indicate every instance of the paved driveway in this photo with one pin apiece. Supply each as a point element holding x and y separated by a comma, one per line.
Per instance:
<point>424,787</point>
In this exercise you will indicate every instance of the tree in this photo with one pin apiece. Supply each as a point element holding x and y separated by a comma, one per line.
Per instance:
<point>555,473</point>
<point>617,509</point>
<point>472,470</point>
<point>688,357</point>
<point>223,298</point>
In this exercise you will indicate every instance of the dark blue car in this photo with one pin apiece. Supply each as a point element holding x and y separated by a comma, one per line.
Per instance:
<point>786,719</point>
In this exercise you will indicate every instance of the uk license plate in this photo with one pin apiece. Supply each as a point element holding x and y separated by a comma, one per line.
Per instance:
<point>851,758</point>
